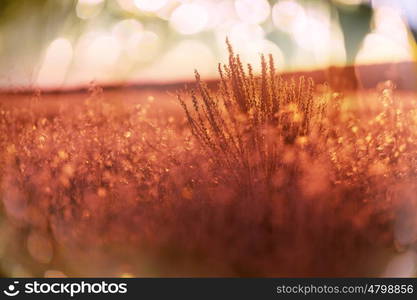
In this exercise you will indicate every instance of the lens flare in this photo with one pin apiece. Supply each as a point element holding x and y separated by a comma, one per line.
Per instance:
<point>252,11</point>
<point>287,14</point>
<point>124,29</point>
<point>87,9</point>
<point>388,42</point>
<point>189,18</point>
<point>56,62</point>
<point>150,5</point>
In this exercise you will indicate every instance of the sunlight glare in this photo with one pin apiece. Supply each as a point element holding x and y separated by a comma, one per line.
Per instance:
<point>253,11</point>
<point>104,51</point>
<point>180,62</point>
<point>388,42</point>
<point>150,5</point>
<point>402,265</point>
<point>124,29</point>
<point>143,46</point>
<point>287,14</point>
<point>56,62</point>
<point>87,9</point>
<point>189,18</point>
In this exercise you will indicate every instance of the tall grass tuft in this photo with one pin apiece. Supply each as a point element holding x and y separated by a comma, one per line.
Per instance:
<point>244,123</point>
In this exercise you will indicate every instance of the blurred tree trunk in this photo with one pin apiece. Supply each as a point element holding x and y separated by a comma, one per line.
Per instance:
<point>355,24</point>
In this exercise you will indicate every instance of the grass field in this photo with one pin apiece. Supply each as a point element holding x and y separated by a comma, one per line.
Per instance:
<point>263,176</point>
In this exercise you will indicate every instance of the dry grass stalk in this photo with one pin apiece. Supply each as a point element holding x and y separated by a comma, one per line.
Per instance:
<point>246,121</point>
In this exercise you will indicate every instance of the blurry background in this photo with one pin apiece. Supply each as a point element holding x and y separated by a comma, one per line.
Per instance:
<point>69,43</point>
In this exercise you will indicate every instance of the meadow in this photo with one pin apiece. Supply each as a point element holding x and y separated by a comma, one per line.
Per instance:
<point>261,176</point>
